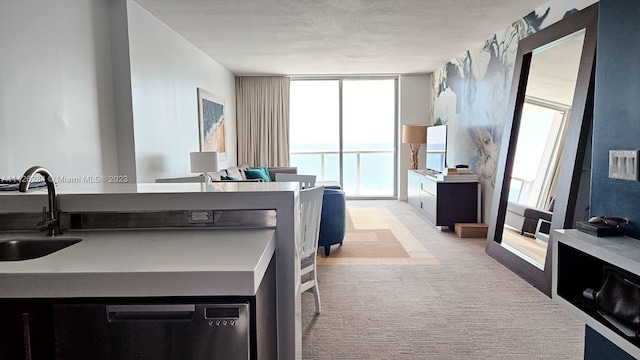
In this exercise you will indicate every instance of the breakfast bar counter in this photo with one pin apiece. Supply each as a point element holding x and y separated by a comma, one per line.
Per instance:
<point>180,261</point>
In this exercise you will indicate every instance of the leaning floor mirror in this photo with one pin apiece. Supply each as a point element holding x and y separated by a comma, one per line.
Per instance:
<point>543,148</point>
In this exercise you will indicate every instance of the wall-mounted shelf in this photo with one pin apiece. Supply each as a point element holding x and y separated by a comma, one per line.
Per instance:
<point>579,260</point>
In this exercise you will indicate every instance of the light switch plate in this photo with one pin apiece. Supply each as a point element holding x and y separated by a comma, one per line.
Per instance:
<point>623,164</point>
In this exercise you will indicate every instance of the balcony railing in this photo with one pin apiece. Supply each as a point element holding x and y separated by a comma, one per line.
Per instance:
<point>365,172</point>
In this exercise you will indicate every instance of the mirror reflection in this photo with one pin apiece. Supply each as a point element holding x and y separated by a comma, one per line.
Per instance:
<point>542,129</point>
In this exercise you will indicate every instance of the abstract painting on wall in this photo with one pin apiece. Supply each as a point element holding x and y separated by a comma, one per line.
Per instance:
<point>212,123</point>
<point>471,95</point>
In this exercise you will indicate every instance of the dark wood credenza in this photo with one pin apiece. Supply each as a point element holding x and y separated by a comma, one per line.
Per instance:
<point>442,200</point>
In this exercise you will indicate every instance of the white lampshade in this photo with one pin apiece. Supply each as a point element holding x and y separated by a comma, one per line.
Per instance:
<point>202,162</point>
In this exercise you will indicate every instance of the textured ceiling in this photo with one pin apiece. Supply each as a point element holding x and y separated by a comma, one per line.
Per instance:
<point>554,70</point>
<point>320,37</point>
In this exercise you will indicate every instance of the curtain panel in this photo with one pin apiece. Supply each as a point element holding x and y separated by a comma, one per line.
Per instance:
<point>262,117</point>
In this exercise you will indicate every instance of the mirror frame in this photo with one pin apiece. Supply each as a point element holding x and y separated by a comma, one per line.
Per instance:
<point>572,155</point>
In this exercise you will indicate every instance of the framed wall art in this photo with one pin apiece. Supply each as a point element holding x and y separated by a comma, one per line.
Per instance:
<point>211,123</point>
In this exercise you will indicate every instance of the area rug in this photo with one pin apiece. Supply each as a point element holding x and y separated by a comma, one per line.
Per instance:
<point>375,236</point>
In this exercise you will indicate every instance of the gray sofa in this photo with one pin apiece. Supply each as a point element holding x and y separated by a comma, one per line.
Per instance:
<point>525,218</point>
<point>236,172</point>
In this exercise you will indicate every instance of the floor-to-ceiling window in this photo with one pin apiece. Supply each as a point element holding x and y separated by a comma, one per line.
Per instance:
<point>538,153</point>
<point>344,130</point>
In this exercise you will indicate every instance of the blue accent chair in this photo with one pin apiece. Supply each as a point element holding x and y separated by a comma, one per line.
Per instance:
<point>333,220</point>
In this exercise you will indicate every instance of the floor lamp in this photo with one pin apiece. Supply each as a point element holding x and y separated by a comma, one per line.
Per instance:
<point>414,135</point>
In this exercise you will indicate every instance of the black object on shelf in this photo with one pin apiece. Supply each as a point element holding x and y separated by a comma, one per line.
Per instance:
<point>581,281</point>
<point>617,301</point>
<point>599,229</point>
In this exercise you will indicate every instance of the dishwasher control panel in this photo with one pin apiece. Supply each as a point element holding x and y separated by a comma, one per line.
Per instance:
<point>224,314</point>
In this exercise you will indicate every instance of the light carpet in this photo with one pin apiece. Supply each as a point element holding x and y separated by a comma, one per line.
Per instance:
<point>375,236</point>
<point>467,306</point>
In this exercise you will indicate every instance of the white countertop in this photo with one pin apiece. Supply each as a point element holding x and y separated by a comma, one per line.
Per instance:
<point>145,196</point>
<point>154,188</point>
<point>168,262</point>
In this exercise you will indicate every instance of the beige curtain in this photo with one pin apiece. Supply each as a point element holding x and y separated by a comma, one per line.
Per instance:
<point>262,117</point>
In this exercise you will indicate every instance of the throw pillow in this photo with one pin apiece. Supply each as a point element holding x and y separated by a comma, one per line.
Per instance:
<point>258,173</point>
<point>265,169</point>
<point>227,178</point>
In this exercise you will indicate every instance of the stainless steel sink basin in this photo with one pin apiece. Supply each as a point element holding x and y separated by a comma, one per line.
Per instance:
<point>32,248</point>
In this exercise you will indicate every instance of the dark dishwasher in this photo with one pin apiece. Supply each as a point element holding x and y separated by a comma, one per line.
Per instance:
<point>209,331</point>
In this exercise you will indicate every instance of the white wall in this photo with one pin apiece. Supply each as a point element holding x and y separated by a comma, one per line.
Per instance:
<point>121,71</point>
<point>166,70</point>
<point>56,97</point>
<point>415,109</point>
<point>101,87</point>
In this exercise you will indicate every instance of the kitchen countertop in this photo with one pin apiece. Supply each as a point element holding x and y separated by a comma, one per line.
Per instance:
<point>136,263</point>
<point>282,197</point>
<point>144,197</point>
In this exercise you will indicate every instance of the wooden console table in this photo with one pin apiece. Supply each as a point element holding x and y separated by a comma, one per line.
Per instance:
<point>444,201</point>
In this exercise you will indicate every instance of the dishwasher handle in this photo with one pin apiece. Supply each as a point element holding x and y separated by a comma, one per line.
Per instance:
<point>155,312</point>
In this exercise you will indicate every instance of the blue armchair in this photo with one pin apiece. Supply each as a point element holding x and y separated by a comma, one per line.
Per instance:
<point>333,219</point>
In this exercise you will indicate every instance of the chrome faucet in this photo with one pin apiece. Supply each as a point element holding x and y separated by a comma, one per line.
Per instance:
<point>50,219</point>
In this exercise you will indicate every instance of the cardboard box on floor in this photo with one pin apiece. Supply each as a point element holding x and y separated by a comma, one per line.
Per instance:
<point>471,230</point>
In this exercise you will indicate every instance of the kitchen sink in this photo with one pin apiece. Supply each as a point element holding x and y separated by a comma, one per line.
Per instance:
<point>32,248</point>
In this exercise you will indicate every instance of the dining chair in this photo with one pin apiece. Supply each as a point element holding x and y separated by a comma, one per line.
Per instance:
<point>306,181</point>
<point>310,212</point>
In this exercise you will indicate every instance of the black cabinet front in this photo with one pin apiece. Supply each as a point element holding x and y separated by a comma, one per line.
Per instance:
<point>26,330</point>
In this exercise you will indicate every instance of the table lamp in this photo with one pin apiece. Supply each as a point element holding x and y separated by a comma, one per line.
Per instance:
<point>204,162</point>
<point>414,135</point>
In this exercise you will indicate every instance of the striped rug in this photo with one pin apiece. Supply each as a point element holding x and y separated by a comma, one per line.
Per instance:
<point>375,236</point>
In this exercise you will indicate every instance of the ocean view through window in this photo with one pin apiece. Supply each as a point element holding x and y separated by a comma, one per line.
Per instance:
<point>344,130</point>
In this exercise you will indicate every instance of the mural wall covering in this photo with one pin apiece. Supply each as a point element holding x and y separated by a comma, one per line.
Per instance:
<point>471,95</point>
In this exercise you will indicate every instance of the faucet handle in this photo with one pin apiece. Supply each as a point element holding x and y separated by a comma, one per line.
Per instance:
<point>46,225</point>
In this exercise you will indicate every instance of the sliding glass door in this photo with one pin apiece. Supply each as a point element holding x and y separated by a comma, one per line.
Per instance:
<point>344,130</point>
<point>314,138</point>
